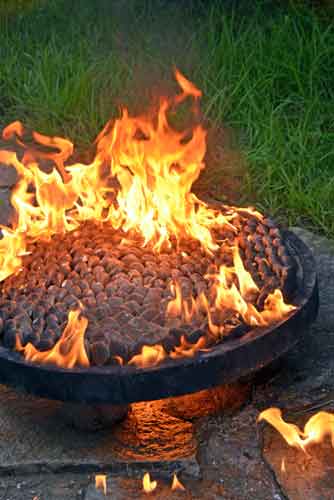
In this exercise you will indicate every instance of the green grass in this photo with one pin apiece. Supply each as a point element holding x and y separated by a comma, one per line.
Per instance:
<point>65,66</point>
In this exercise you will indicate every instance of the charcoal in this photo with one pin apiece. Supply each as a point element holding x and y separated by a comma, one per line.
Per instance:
<point>101,297</point>
<point>238,331</point>
<point>110,289</point>
<point>168,343</point>
<point>129,259</point>
<point>153,295</point>
<point>10,331</point>
<point>123,317</point>
<point>137,266</point>
<point>159,283</point>
<point>125,289</point>
<point>164,272</point>
<point>176,274</point>
<point>89,301</point>
<point>97,287</point>
<point>268,288</point>
<point>109,325</point>
<point>121,345</point>
<point>71,300</point>
<point>288,281</point>
<point>46,343</point>
<point>52,320</point>
<point>100,274</point>
<point>100,353</point>
<point>133,306</point>
<point>176,334</point>
<point>150,313</point>
<point>150,271</point>
<point>112,265</point>
<point>275,233</point>
<point>93,261</point>
<point>194,336</point>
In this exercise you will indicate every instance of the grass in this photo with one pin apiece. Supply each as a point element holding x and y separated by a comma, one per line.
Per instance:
<point>266,71</point>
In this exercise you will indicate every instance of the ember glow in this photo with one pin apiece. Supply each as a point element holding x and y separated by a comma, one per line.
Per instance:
<point>315,430</point>
<point>101,483</point>
<point>148,485</point>
<point>139,183</point>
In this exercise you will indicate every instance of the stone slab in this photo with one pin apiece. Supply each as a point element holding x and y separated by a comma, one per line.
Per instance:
<point>35,437</point>
<point>230,453</point>
<point>301,476</point>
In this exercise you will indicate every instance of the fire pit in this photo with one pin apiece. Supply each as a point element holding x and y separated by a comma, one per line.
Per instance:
<point>120,285</point>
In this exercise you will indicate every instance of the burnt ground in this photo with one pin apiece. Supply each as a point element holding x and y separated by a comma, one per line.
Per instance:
<point>226,456</point>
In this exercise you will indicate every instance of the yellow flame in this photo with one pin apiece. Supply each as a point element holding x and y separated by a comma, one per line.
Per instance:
<point>148,485</point>
<point>68,352</point>
<point>315,430</point>
<point>176,484</point>
<point>139,181</point>
<point>101,483</point>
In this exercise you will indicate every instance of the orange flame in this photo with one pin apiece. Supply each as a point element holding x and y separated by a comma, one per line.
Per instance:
<point>139,181</point>
<point>176,484</point>
<point>101,483</point>
<point>68,352</point>
<point>283,467</point>
<point>229,296</point>
<point>149,356</point>
<point>315,430</point>
<point>148,485</point>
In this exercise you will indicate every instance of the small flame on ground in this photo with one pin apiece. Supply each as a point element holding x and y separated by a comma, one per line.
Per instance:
<point>148,485</point>
<point>176,484</point>
<point>315,430</point>
<point>101,483</point>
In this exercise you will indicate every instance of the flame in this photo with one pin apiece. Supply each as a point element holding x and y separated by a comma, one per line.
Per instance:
<point>246,283</point>
<point>149,356</point>
<point>148,485</point>
<point>155,167</point>
<point>101,483</point>
<point>315,430</point>
<point>283,467</point>
<point>139,181</point>
<point>176,484</point>
<point>228,297</point>
<point>68,352</point>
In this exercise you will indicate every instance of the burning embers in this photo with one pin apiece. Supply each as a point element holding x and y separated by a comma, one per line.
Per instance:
<point>117,261</point>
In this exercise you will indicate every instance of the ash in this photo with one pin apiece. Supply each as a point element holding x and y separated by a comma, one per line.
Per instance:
<point>125,289</point>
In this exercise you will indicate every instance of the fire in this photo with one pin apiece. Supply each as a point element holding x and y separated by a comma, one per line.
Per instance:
<point>149,356</point>
<point>101,483</point>
<point>315,430</point>
<point>139,181</point>
<point>283,467</point>
<point>176,484</point>
<point>68,352</point>
<point>229,297</point>
<point>148,485</point>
